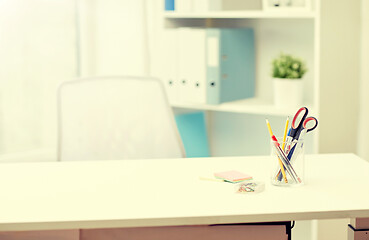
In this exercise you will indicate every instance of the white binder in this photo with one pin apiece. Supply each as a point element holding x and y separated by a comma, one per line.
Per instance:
<point>207,5</point>
<point>216,65</point>
<point>192,65</point>
<point>169,64</point>
<point>215,5</point>
<point>184,68</point>
<point>184,5</point>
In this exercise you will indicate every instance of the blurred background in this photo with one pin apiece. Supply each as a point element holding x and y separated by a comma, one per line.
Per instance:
<point>47,42</point>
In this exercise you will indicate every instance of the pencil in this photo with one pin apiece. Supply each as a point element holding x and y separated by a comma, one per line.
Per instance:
<point>269,128</point>
<point>279,160</point>
<point>285,133</point>
<point>284,141</point>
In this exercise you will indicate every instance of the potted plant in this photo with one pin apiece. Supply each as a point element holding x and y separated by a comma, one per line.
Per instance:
<point>287,76</point>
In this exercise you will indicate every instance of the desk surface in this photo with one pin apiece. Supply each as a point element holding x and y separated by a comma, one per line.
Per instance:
<point>60,195</point>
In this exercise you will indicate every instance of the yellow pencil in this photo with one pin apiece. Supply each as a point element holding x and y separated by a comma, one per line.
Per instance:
<point>284,141</point>
<point>285,133</point>
<point>269,128</point>
<point>279,160</point>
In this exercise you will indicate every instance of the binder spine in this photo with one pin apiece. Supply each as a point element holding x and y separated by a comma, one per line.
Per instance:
<point>237,64</point>
<point>184,5</point>
<point>212,66</point>
<point>169,5</point>
<point>215,5</point>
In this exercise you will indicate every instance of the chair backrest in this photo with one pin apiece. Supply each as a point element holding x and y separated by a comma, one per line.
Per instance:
<point>116,118</point>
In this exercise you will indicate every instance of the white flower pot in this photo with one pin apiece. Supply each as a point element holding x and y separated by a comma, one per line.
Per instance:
<point>288,92</point>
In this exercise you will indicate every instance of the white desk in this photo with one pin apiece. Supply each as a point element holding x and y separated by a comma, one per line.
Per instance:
<point>134,193</point>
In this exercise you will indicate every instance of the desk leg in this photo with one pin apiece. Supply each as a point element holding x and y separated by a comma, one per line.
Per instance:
<point>358,229</point>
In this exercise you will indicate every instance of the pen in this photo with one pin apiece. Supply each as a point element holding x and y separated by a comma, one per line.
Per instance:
<point>288,141</point>
<point>298,146</point>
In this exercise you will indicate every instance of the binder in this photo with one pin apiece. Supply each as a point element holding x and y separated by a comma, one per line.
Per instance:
<point>207,5</point>
<point>196,42</point>
<point>230,57</point>
<point>215,65</point>
<point>241,5</point>
<point>184,5</point>
<point>169,64</point>
<point>169,5</point>
<point>193,131</point>
<point>192,65</point>
<point>215,5</point>
<point>200,5</point>
<point>185,59</point>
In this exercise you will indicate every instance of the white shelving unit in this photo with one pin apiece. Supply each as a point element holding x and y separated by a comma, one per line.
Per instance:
<point>276,31</point>
<point>330,85</point>
<point>256,14</point>
<point>247,106</point>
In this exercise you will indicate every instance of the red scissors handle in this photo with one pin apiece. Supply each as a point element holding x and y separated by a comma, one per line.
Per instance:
<point>296,127</point>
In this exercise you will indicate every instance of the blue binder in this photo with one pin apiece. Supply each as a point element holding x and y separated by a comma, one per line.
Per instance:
<point>169,5</point>
<point>192,129</point>
<point>230,64</point>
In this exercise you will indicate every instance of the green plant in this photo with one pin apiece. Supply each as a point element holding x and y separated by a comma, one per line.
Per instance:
<point>287,66</point>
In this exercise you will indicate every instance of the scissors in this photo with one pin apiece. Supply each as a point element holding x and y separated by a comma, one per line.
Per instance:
<point>300,122</point>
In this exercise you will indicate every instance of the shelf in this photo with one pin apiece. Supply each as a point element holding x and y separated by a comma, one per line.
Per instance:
<point>249,106</point>
<point>281,14</point>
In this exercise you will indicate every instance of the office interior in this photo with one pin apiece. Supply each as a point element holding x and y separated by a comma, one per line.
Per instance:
<point>45,43</point>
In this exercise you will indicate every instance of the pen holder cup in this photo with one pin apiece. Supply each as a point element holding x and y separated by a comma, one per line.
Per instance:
<point>288,163</point>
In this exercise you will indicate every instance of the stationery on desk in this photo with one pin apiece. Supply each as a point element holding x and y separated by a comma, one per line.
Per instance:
<point>228,176</point>
<point>232,176</point>
<point>293,143</point>
<point>244,183</point>
<point>288,153</point>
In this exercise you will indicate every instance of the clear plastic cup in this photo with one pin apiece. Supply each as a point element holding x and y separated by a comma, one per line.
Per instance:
<point>288,162</point>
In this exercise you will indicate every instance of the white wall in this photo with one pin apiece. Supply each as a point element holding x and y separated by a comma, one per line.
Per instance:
<point>113,38</point>
<point>37,52</point>
<point>339,89</point>
<point>40,48</point>
<point>339,75</point>
<point>363,133</point>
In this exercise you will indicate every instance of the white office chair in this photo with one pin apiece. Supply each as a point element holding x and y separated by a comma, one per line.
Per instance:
<point>116,118</point>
